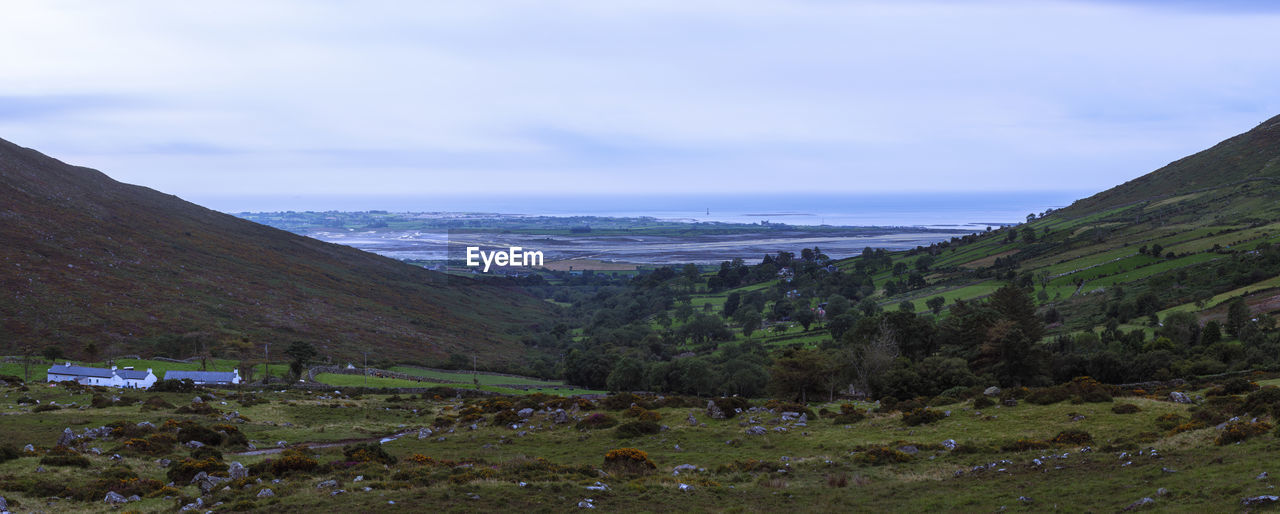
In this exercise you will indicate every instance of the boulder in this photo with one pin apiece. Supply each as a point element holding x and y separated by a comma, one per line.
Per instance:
<point>424,433</point>
<point>197,400</point>
<point>327,484</point>
<point>714,411</point>
<point>146,424</point>
<point>237,470</point>
<point>991,391</point>
<point>193,444</point>
<point>909,449</point>
<point>114,497</point>
<point>525,412</point>
<point>560,416</point>
<point>1260,500</point>
<point>1179,397</point>
<point>949,444</point>
<point>67,438</point>
<point>757,430</point>
<point>692,420</point>
<point>266,493</point>
<point>28,448</point>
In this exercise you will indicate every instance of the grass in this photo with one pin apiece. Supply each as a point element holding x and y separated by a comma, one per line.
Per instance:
<point>796,470</point>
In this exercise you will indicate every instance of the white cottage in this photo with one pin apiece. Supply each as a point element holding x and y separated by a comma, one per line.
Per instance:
<point>114,377</point>
<point>205,377</point>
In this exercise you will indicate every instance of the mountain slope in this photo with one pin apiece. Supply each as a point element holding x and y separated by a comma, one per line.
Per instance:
<point>88,259</point>
<point>1251,156</point>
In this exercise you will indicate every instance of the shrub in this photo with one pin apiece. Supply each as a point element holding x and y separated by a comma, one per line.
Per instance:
<point>887,404</point>
<point>637,428</point>
<point>199,433</point>
<point>197,408</point>
<point>597,421</point>
<point>1170,420</point>
<point>1187,427</point>
<point>921,416</point>
<point>155,403</point>
<point>880,455</point>
<point>1125,408</point>
<point>849,415</point>
<point>622,401</point>
<point>182,472</point>
<point>63,456</point>
<point>1218,409</point>
<point>1263,401</point>
<point>1239,385</point>
<point>46,408</point>
<point>290,461</point>
<point>185,385</point>
<point>1241,430</point>
<point>442,421</point>
<point>506,417</point>
<point>9,452</point>
<point>628,460</point>
<point>982,402</point>
<point>732,404</point>
<point>1048,395</point>
<point>368,452</point>
<point>1088,390</point>
<point>1022,445</point>
<point>1072,437</point>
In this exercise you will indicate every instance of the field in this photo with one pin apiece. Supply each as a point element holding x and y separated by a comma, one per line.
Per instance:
<point>537,464</point>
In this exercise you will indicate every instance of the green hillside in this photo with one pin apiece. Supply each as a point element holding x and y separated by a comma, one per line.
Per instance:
<point>86,259</point>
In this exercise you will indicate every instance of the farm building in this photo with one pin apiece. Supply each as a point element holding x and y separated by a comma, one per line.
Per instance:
<point>205,377</point>
<point>114,377</point>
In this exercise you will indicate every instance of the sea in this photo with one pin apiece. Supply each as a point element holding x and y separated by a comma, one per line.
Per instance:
<point>945,215</point>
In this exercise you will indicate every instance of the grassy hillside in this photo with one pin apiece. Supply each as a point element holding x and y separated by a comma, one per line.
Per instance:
<point>86,259</point>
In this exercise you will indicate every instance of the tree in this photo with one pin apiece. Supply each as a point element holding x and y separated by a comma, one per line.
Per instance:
<point>1237,316</point>
<point>750,321</point>
<point>627,375</point>
<point>924,262</point>
<point>873,357</point>
<point>731,304</point>
<point>302,353</point>
<point>805,317</point>
<point>935,304</point>
<point>91,351</point>
<point>798,372</point>
<point>837,305</point>
<point>52,353</point>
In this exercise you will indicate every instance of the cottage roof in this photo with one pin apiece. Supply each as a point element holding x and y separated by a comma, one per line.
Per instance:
<point>132,374</point>
<point>81,371</point>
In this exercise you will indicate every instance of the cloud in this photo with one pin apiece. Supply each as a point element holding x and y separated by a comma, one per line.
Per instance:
<point>655,96</point>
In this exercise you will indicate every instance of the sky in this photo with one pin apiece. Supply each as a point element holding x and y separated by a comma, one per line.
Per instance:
<point>255,99</point>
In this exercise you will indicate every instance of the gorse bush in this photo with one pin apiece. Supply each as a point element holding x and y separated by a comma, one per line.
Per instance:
<point>597,421</point>
<point>628,460</point>
<point>880,455</point>
<point>1070,437</point>
<point>368,452</point>
<point>1240,430</point>
<point>921,416</point>
<point>1124,408</point>
<point>638,428</point>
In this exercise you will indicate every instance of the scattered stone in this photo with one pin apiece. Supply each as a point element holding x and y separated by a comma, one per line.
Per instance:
<point>560,417</point>
<point>327,484</point>
<point>28,448</point>
<point>1011,402</point>
<point>586,504</point>
<point>525,412</point>
<point>358,478</point>
<point>909,449</point>
<point>949,444</point>
<point>598,486</point>
<point>341,491</point>
<point>991,391</point>
<point>197,400</point>
<point>473,496</point>
<point>1260,500</point>
<point>1167,470</point>
<point>714,411</point>
<point>1262,476</point>
<point>116,456</point>
<point>95,450</point>
<point>757,430</point>
<point>164,463</point>
<point>1025,499</point>
<point>685,468</point>
<point>193,444</point>
<point>237,470</point>
<point>266,493</point>
<point>40,469</point>
<point>146,424</point>
<point>692,420</point>
<point>1077,417</point>
<point>114,497</point>
<point>67,438</point>
<point>1162,492</point>
<point>282,444</point>
<point>1179,397</point>
<point>1140,503</point>
<point>686,487</point>
<point>790,416</point>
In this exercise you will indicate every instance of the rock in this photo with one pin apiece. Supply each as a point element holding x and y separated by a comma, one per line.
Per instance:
<point>237,470</point>
<point>164,463</point>
<point>282,444</point>
<point>4,504</point>
<point>1179,397</point>
<point>598,486</point>
<point>193,444</point>
<point>1167,470</point>
<point>197,400</point>
<point>424,433</point>
<point>116,456</point>
<point>95,450</point>
<point>341,491</point>
<point>67,438</point>
<point>1262,476</point>
<point>40,469</point>
<point>525,412</point>
<point>779,429</point>
<point>714,411</point>
<point>686,487</point>
<point>991,391</point>
<point>949,444</point>
<point>327,484</point>
<point>1140,503</point>
<point>1260,500</point>
<point>1077,417</point>
<point>114,497</point>
<point>909,449</point>
<point>692,420</point>
<point>586,504</point>
<point>266,493</point>
<point>684,468</point>
<point>1162,492</point>
<point>146,424</point>
<point>134,498</point>
<point>28,448</point>
<point>560,417</point>
<point>757,430</point>
<point>1025,499</point>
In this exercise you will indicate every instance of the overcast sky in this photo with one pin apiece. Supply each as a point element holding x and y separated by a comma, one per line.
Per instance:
<point>204,99</point>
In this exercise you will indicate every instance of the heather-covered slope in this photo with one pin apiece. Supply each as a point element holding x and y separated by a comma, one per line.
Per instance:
<point>84,258</point>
